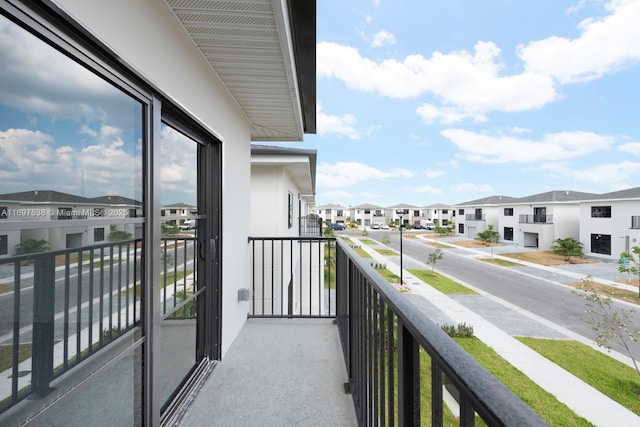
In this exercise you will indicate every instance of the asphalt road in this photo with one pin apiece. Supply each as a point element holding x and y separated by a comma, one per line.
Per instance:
<point>554,302</point>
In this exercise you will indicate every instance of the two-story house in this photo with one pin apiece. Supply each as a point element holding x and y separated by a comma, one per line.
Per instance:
<point>367,214</point>
<point>474,216</point>
<point>610,223</point>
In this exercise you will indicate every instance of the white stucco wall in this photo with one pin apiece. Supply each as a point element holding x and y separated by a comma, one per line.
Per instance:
<point>150,40</point>
<point>618,226</point>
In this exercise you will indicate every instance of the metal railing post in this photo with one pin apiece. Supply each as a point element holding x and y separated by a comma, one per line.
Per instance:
<point>43,322</point>
<point>408,378</point>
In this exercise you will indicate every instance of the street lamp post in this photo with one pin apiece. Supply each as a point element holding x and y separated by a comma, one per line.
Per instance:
<point>401,213</point>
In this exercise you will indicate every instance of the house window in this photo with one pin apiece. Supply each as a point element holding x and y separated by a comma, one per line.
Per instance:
<point>367,222</point>
<point>508,233</point>
<point>445,222</point>
<point>4,212</point>
<point>460,228</point>
<point>445,211</point>
<point>327,211</point>
<point>163,212</point>
<point>133,213</point>
<point>3,245</point>
<point>98,234</point>
<point>378,212</point>
<point>290,209</point>
<point>367,211</point>
<point>508,211</point>
<point>339,212</point>
<point>416,213</point>
<point>460,211</point>
<point>601,244</point>
<point>600,211</point>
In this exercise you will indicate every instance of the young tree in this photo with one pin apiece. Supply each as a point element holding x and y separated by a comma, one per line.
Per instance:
<point>608,322</point>
<point>386,240</point>
<point>567,247</point>
<point>630,263</point>
<point>32,246</point>
<point>488,236</point>
<point>433,258</point>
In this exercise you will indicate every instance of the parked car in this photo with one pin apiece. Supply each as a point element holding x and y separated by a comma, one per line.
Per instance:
<point>375,226</point>
<point>385,226</point>
<point>427,225</point>
<point>337,226</point>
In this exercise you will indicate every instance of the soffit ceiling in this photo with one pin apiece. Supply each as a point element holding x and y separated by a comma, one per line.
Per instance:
<point>252,46</point>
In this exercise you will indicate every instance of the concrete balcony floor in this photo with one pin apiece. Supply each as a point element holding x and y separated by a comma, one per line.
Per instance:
<point>278,372</point>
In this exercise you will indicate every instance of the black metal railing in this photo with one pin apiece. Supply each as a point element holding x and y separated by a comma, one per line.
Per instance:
<point>59,308</point>
<point>475,217</point>
<point>389,345</point>
<point>635,221</point>
<point>535,219</point>
<point>310,226</point>
<point>292,277</point>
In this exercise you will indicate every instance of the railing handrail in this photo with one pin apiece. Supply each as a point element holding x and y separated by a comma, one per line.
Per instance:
<point>493,401</point>
<point>56,252</point>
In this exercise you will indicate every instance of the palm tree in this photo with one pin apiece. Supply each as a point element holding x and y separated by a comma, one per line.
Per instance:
<point>567,247</point>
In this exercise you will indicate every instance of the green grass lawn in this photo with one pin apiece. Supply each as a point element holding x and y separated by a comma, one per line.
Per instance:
<point>388,275</point>
<point>362,253</point>
<point>369,242</point>
<point>387,252</point>
<point>541,401</point>
<point>441,283</point>
<point>6,355</point>
<point>615,379</point>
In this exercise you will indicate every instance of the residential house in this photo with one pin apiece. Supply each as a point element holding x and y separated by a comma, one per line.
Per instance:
<point>474,216</point>
<point>412,215</point>
<point>366,214</point>
<point>545,217</point>
<point>439,213</point>
<point>178,213</point>
<point>332,214</point>
<point>610,223</point>
<point>29,215</point>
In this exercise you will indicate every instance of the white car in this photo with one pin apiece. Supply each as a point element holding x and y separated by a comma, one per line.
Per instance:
<point>385,226</point>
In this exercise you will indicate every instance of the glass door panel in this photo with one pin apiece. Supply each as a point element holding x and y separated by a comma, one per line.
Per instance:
<point>181,223</point>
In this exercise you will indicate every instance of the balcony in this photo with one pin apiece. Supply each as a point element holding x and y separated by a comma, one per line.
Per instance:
<point>475,217</point>
<point>535,219</point>
<point>327,342</point>
<point>310,226</point>
<point>635,221</point>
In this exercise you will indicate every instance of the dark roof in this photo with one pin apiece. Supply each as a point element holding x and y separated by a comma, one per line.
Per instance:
<point>51,196</point>
<point>557,196</point>
<point>629,193</point>
<point>43,196</point>
<point>115,200</point>
<point>491,200</point>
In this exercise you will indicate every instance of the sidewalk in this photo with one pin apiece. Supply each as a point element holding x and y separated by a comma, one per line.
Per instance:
<point>583,399</point>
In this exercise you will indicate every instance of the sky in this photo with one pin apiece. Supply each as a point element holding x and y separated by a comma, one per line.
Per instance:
<point>419,102</point>
<point>446,101</point>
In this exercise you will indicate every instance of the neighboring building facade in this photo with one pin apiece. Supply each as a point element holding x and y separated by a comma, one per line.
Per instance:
<point>474,216</point>
<point>367,214</point>
<point>333,214</point>
<point>610,223</point>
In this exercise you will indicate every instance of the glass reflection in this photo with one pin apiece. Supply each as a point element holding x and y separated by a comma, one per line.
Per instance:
<point>178,277</point>
<point>70,227</point>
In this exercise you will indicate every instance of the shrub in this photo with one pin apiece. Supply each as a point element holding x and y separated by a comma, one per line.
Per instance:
<point>462,330</point>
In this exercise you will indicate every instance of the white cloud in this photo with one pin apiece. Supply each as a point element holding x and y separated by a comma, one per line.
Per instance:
<point>341,125</point>
<point>486,148</point>
<point>604,45</point>
<point>382,38</point>
<point>30,160</point>
<point>432,173</point>
<point>631,147</point>
<point>345,174</point>
<point>468,85</point>
<point>610,175</point>
<point>427,189</point>
<point>470,187</point>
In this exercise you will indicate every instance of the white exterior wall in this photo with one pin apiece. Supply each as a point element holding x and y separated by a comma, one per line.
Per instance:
<point>618,226</point>
<point>163,53</point>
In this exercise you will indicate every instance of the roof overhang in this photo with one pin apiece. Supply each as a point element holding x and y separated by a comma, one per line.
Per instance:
<point>264,52</point>
<point>300,164</point>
